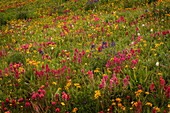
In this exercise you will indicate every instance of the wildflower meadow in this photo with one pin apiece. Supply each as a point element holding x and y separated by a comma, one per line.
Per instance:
<point>84,56</point>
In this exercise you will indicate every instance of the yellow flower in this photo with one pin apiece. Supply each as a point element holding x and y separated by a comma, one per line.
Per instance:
<point>161,43</point>
<point>111,59</point>
<point>144,41</point>
<point>54,83</point>
<point>153,49</point>
<point>147,93</point>
<point>19,80</point>
<point>77,85</point>
<point>159,73</point>
<point>158,109</point>
<point>118,99</point>
<point>123,108</point>
<point>87,51</point>
<point>168,105</point>
<point>140,91</point>
<point>62,103</point>
<point>96,71</point>
<point>75,109</point>
<point>97,94</point>
<point>149,104</point>
<point>135,104</point>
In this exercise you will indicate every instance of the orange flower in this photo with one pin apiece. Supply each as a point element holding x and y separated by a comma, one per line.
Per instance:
<point>113,103</point>
<point>75,109</point>
<point>119,104</point>
<point>118,100</point>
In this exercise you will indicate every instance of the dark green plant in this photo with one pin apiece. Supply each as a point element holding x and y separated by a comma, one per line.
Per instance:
<point>91,5</point>
<point>16,58</point>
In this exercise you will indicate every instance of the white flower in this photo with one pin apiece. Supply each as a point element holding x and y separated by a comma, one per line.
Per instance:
<point>65,50</point>
<point>52,48</point>
<point>151,30</point>
<point>143,24</point>
<point>138,34</point>
<point>157,63</point>
<point>132,43</point>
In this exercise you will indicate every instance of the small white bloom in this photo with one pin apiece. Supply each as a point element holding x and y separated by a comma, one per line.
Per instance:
<point>138,34</point>
<point>143,25</point>
<point>157,63</point>
<point>52,48</point>
<point>151,30</point>
<point>132,43</point>
<point>162,19</point>
<point>65,50</point>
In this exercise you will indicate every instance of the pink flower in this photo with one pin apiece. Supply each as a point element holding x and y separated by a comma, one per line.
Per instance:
<point>128,97</point>
<point>96,19</point>
<point>41,95</point>
<point>158,33</point>
<point>27,104</point>
<point>154,111</point>
<point>57,110</point>
<point>33,96</point>
<point>117,83</point>
<point>139,86</point>
<point>79,60</point>
<point>163,32</point>
<point>137,29</point>
<point>82,71</point>
<point>5,109</point>
<point>7,100</point>
<point>152,86</point>
<point>53,103</point>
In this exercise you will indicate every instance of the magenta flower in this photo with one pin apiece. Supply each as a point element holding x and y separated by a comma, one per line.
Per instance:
<point>82,71</point>
<point>7,100</point>
<point>53,103</point>
<point>41,96</point>
<point>139,86</point>
<point>33,96</point>
<point>163,32</point>
<point>154,111</point>
<point>27,104</point>
<point>57,110</point>
<point>152,86</point>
